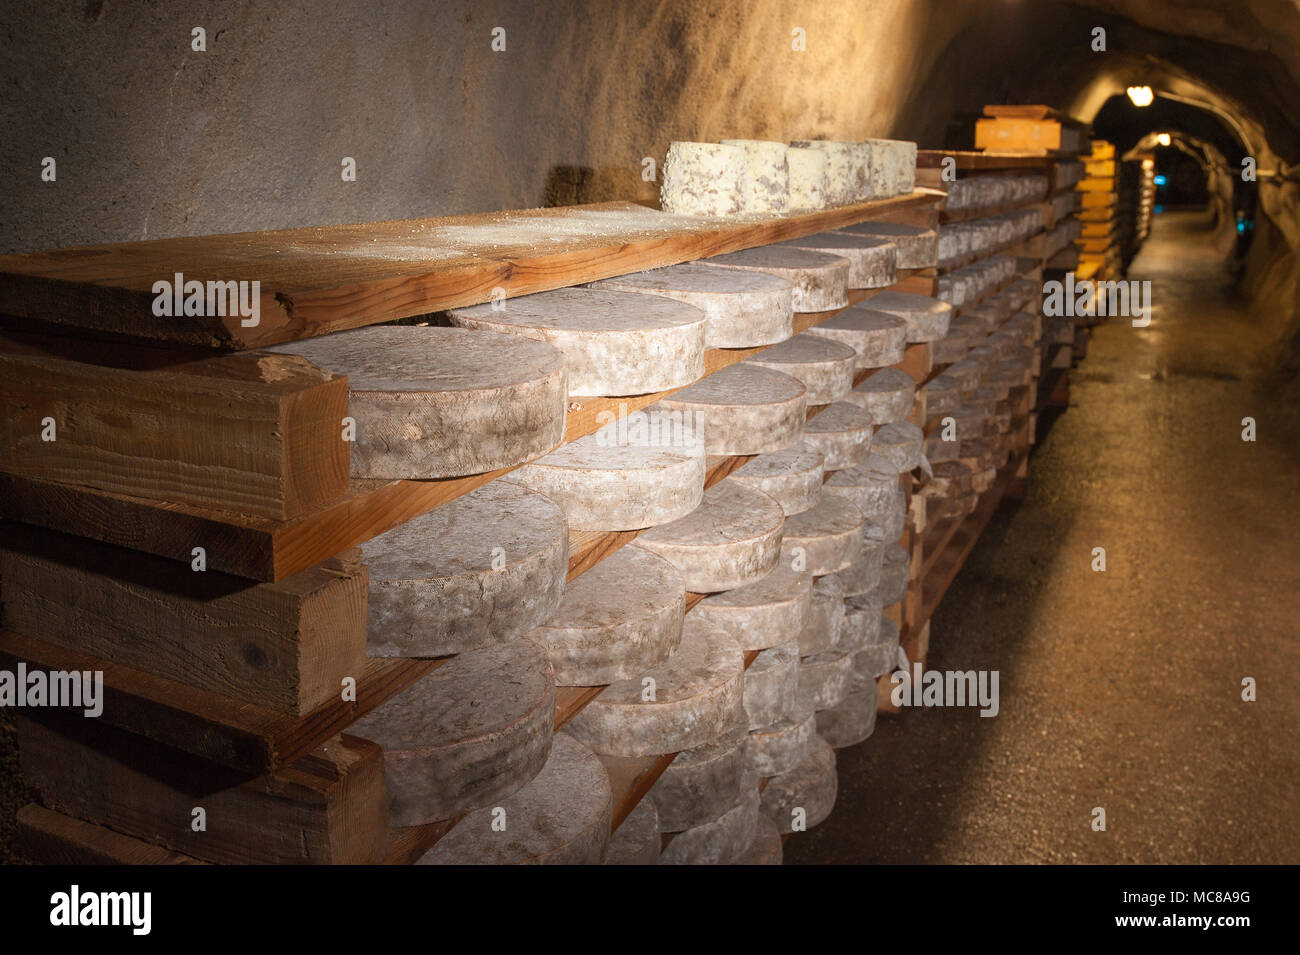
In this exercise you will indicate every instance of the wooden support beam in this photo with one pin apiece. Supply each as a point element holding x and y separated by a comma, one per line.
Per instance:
<point>255,434</point>
<point>283,646</point>
<point>329,807</point>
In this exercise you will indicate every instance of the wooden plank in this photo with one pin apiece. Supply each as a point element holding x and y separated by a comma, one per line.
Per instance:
<point>283,646</point>
<point>975,161</point>
<point>329,807</point>
<point>1027,111</point>
<point>46,837</point>
<point>256,433</point>
<point>237,735</point>
<point>325,279</point>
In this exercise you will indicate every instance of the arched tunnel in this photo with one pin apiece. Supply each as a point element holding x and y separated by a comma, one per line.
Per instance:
<point>1156,683</point>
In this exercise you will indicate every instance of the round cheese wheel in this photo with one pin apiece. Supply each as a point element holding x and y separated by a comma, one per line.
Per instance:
<point>879,338</point>
<point>824,679</point>
<point>824,367</point>
<point>900,443</point>
<point>617,478</point>
<point>692,699</point>
<point>744,409</point>
<point>863,574</point>
<point>614,343</point>
<point>766,184</point>
<point>861,627</point>
<point>805,794</point>
<point>468,735</point>
<point>703,179</point>
<point>927,318</point>
<point>742,309</point>
<point>443,402</point>
<point>824,539</point>
<point>872,261</point>
<point>616,621</point>
<point>766,613</point>
<point>732,539</point>
<point>820,281</point>
<point>792,477</point>
<point>483,569</point>
<point>887,396</point>
<point>917,246</point>
<point>561,817</point>
<point>842,433</point>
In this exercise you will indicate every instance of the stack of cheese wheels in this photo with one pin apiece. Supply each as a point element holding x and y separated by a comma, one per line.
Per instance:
<point>481,570</point>
<point>820,281</point>
<point>743,409</point>
<point>443,402</point>
<point>635,472</point>
<point>471,733</point>
<point>918,247</point>
<point>703,179</point>
<point>561,817</point>
<point>614,343</point>
<point>743,308</point>
<point>853,719</point>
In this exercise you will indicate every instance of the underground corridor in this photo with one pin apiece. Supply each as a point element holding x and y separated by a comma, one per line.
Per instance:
<point>494,432</point>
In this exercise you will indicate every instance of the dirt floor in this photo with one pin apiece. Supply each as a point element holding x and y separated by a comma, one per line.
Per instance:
<point>1119,689</point>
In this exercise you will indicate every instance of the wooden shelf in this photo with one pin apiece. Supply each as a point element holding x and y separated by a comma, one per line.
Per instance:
<point>270,550</point>
<point>330,278</point>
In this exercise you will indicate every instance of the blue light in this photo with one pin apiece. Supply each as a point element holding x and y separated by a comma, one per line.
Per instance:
<point>1161,180</point>
<point>1158,209</point>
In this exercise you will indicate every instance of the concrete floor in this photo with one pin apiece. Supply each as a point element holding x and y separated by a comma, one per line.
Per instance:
<point>1119,689</point>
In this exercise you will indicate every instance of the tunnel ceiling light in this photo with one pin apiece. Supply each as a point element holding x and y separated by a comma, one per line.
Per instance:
<point>1164,139</point>
<point>1140,95</point>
